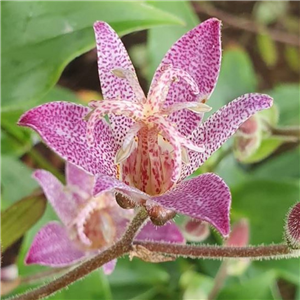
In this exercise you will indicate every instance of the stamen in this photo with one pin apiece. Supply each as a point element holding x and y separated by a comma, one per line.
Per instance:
<point>169,75</point>
<point>124,153</point>
<point>130,76</point>
<point>129,143</point>
<point>196,107</point>
<point>126,108</point>
<point>185,156</point>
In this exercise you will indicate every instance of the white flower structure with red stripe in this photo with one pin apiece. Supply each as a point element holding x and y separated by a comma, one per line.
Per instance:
<point>151,144</point>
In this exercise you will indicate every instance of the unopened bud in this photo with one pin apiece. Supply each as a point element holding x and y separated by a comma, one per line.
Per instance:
<point>125,202</point>
<point>244,147</point>
<point>195,230</point>
<point>159,215</point>
<point>250,127</point>
<point>292,227</point>
<point>247,139</point>
<point>239,236</point>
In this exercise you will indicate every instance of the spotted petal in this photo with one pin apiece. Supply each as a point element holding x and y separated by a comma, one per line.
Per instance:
<point>52,247</point>
<point>198,53</point>
<point>112,55</point>
<point>60,198</point>
<point>63,128</point>
<point>220,126</point>
<point>110,184</point>
<point>79,182</point>
<point>205,197</point>
<point>169,233</point>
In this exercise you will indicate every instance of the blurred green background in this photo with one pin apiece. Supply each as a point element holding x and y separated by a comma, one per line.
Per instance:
<point>48,54</point>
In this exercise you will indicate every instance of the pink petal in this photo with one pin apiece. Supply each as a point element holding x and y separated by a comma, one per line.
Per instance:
<point>60,198</point>
<point>106,184</point>
<point>113,55</point>
<point>63,128</point>
<point>220,126</point>
<point>79,182</point>
<point>52,247</point>
<point>169,233</point>
<point>205,197</point>
<point>198,53</point>
<point>109,267</point>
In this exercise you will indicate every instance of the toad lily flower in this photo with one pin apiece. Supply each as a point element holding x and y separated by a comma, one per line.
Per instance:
<point>152,143</point>
<point>90,224</point>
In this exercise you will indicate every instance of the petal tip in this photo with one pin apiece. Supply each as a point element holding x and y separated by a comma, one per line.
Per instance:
<point>24,120</point>
<point>267,101</point>
<point>98,24</point>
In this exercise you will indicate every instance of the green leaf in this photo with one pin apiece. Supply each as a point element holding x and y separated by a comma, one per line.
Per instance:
<point>91,287</point>
<point>196,286</point>
<point>133,272</point>
<point>258,287</point>
<point>265,203</point>
<point>237,77</point>
<point>285,166</point>
<point>19,217</point>
<point>16,180</point>
<point>40,38</point>
<point>161,39</point>
<point>287,269</point>
<point>287,98</point>
<point>267,49</point>
<point>17,140</point>
<point>135,279</point>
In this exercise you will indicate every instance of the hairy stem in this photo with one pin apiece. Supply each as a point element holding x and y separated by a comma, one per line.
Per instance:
<point>120,248</point>
<point>220,252</point>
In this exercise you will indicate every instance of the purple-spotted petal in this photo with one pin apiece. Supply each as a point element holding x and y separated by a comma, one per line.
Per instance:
<point>205,197</point>
<point>198,53</point>
<point>52,247</point>
<point>220,126</point>
<point>109,267</point>
<point>113,55</point>
<point>109,184</point>
<point>79,182</point>
<point>60,198</point>
<point>63,128</point>
<point>168,233</point>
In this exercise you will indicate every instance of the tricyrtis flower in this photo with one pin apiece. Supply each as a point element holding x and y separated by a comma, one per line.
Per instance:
<point>151,131</point>
<point>89,224</point>
<point>152,143</point>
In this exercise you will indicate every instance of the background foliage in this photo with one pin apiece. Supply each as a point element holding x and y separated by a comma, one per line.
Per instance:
<point>45,58</point>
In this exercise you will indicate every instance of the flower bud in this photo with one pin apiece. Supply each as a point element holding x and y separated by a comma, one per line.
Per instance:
<point>292,227</point>
<point>247,139</point>
<point>239,237</point>
<point>125,202</point>
<point>250,127</point>
<point>159,216</point>
<point>195,230</point>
